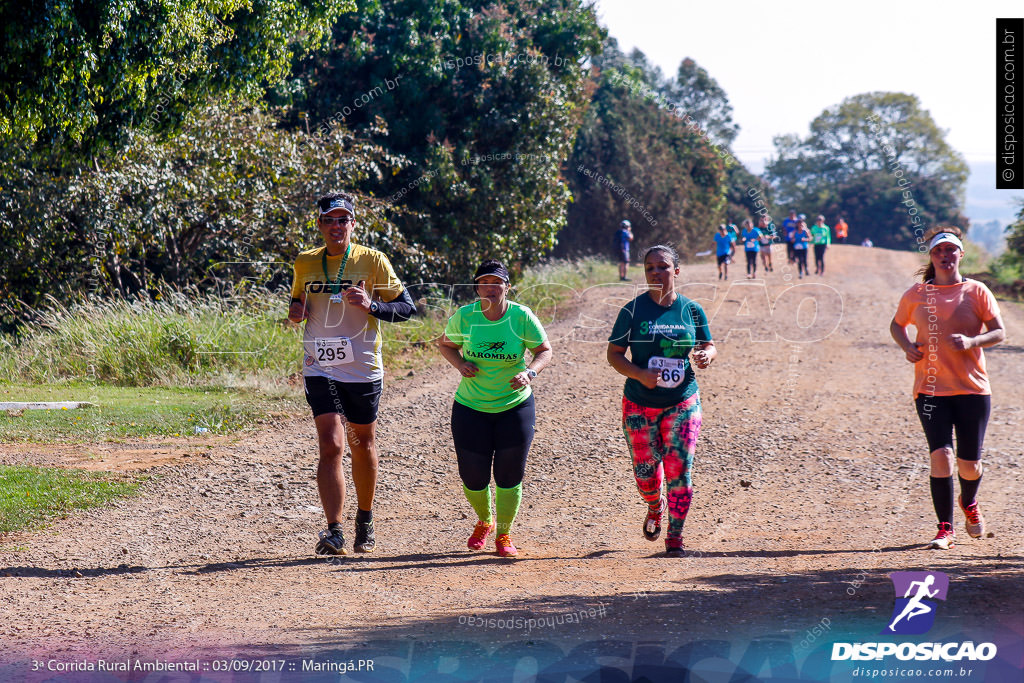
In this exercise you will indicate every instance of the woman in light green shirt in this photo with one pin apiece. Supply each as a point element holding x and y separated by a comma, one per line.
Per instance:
<point>493,413</point>
<point>821,236</point>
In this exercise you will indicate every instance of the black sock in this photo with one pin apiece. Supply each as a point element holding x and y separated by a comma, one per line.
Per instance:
<point>364,515</point>
<point>969,490</point>
<point>942,498</point>
<point>334,526</point>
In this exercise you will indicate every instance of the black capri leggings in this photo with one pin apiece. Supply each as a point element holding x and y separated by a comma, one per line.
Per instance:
<point>502,438</point>
<point>966,413</point>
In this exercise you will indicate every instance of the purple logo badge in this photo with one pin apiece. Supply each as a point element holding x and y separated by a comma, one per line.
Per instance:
<point>914,611</point>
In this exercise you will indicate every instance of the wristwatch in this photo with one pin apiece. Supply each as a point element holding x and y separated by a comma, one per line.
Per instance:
<point>373,307</point>
<point>532,373</point>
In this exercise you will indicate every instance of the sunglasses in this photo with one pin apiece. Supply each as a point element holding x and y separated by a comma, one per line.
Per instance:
<point>331,220</point>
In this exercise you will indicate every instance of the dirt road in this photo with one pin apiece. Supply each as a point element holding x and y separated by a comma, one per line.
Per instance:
<point>811,487</point>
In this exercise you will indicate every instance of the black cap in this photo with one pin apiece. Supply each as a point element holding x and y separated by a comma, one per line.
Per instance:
<point>491,268</point>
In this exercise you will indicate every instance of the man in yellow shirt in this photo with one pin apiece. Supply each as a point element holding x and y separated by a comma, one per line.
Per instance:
<point>342,291</point>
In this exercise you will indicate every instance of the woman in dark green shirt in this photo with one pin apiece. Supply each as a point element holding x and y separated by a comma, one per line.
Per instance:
<point>661,412</point>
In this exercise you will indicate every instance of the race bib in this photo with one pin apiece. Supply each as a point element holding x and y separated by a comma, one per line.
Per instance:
<point>751,244</point>
<point>672,371</point>
<point>330,351</point>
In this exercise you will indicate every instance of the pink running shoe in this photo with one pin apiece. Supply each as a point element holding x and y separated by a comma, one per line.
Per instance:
<point>674,547</point>
<point>944,539</point>
<point>974,522</point>
<point>480,533</point>
<point>504,545</point>
<point>652,522</point>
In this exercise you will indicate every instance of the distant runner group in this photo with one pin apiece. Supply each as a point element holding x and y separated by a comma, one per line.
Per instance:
<point>758,241</point>
<point>343,290</point>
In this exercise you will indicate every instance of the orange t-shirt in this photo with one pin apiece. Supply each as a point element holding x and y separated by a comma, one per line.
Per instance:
<point>938,312</point>
<point>841,228</point>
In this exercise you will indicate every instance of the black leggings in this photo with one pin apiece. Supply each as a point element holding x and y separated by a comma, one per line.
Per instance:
<point>751,262</point>
<point>819,257</point>
<point>966,413</point>
<point>801,261</point>
<point>502,438</point>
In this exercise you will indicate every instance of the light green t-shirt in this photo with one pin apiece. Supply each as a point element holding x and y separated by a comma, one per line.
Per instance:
<point>821,234</point>
<point>498,350</point>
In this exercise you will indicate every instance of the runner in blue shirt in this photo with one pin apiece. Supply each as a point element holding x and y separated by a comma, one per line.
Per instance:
<point>801,236</point>
<point>623,236</point>
<point>751,246</point>
<point>788,228</point>
<point>724,249</point>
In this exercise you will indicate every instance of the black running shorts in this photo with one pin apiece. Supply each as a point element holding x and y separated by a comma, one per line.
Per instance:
<point>967,414</point>
<point>357,402</point>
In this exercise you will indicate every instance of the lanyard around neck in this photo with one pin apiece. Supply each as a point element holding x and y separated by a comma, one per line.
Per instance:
<point>336,285</point>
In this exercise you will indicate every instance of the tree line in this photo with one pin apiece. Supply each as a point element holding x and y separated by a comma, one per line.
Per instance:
<point>182,144</point>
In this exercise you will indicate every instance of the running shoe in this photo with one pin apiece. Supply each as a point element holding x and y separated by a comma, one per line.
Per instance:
<point>365,542</point>
<point>480,533</point>
<point>944,539</point>
<point>652,523</point>
<point>974,523</point>
<point>332,542</point>
<point>674,547</point>
<point>504,545</point>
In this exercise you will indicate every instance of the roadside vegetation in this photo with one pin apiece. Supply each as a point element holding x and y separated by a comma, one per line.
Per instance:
<point>189,361</point>
<point>29,496</point>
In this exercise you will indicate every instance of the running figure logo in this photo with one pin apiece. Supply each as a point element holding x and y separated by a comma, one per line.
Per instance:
<point>491,346</point>
<point>914,613</point>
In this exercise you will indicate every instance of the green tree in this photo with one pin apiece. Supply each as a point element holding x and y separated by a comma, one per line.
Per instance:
<point>699,95</point>
<point>90,71</point>
<point>862,158</point>
<point>747,196</point>
<point>483,98</point>
<point>1012,260</point>
<point>635,159</point>
<point>229,200</point>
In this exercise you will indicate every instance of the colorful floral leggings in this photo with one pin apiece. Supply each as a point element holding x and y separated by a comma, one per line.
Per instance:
<point>662,442</point>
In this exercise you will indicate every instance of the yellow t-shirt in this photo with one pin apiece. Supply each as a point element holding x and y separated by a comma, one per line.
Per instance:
<point>938,312</point>
<point>338,321</point>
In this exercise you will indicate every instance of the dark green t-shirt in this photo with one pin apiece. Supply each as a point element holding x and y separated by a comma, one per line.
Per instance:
<point>497,348</point>
<point>666,335</point>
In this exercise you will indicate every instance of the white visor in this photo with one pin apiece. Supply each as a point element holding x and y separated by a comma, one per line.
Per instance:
<point>945,237</point>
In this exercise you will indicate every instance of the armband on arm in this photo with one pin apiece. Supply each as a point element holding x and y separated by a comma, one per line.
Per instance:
<point>396,310</point>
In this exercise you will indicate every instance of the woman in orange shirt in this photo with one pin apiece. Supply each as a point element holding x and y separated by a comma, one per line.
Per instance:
<point>842,230</point>
<point>951,388</point>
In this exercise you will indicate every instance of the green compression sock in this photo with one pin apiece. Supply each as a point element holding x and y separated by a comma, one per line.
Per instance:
<point>506,505</point>
<point>481,502</point>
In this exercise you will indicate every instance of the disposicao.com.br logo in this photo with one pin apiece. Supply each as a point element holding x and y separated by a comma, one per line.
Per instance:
<point>913,614</point>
